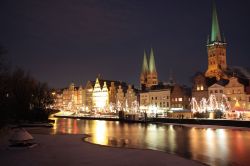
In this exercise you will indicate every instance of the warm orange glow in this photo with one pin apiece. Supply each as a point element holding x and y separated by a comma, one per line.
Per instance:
<point>237,104</point>
<point>100,135</point>
<point>100,96</point>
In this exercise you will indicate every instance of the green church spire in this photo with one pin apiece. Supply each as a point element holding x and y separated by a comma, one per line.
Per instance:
<point>152,67</point>
<point>145,63</point>
<point>215,31</point>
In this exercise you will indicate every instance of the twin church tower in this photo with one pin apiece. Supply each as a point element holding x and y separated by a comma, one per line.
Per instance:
<point>216,51</point>
<point>149,75</point>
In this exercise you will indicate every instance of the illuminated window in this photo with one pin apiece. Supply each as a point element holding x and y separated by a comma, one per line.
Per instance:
<point>180,99</point>
<point>202,88</point>
<point>176,99</point>
<point>198,88</point>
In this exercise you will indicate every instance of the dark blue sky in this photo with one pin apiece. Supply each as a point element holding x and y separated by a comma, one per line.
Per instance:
<point>60,41</point>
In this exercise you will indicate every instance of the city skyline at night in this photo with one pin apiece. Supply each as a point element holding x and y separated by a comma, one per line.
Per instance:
<point>63,42</point>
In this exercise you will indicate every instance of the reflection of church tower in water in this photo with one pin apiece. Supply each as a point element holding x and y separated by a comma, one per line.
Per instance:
<point>149,75</point>
<point>216,50</point>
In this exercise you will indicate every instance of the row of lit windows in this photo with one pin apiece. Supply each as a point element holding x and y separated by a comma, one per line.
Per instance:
<point>213,62</point>
<point>216,91</point>
<point>213,71</point>
<point>234,91</point>
<point>177,99</point>
<point>200,87</point>
<point>162,104</point>
<point>239,99</point>
<point>159,98</point>
<point>177,105</point>
<point>212,55</point>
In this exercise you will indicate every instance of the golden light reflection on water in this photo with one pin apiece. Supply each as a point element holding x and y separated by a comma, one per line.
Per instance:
<point>151,134</point>
<point>222,144</point>
<point>207,142</point>
<point>194,142</point>
<point>100,133</point>
<point>171,138</point>
<point>69,125</point>
<point>55,125</point>
<point>211,146</point>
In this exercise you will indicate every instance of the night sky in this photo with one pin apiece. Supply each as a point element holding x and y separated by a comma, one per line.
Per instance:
<point>63,41</point>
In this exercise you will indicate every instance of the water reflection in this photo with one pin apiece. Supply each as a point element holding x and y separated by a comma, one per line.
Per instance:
<point>171,138</point>
<point>100,135</point>
<point>210,146</point>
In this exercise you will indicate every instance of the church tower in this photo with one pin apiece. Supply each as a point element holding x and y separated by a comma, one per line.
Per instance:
<point>149,75</point>
<point>152,77</point>
<point>144,71</point>
<point>216,50</point>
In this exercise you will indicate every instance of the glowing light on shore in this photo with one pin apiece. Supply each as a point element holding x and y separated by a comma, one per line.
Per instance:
<point>210,105</point>
<point>100,96</point>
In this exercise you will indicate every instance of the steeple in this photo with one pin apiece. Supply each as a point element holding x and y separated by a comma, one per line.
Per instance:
<point>152,68</point>
<point>145,64</point>
<point>216,50</point>
<point>152,78</point>
<point>144,71</point>
<point>97,84</point>
<point>215,30</point>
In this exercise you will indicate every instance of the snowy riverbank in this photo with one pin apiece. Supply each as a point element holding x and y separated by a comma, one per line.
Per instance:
<point>71,150</point>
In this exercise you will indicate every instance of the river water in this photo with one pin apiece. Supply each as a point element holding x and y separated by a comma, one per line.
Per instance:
<point>213,146</point>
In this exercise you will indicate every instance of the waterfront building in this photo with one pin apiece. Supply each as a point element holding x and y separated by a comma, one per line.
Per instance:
<point>112,93</point>
<point>88,95</point>
<point>180,102</point>
<point>217,65</point>
<point>200,86</point>
<point>120,98</point>
<point>131,102</point>
<point>236,94</point>
<point>72,98</point>
<point>149,76</point>
<point>100,96</point>
<point>180,97</point>
<point>217,89</point>
<point>58,99</point>
<point>248,98</point>
<point>104,94</point>
<point>156,100</point>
